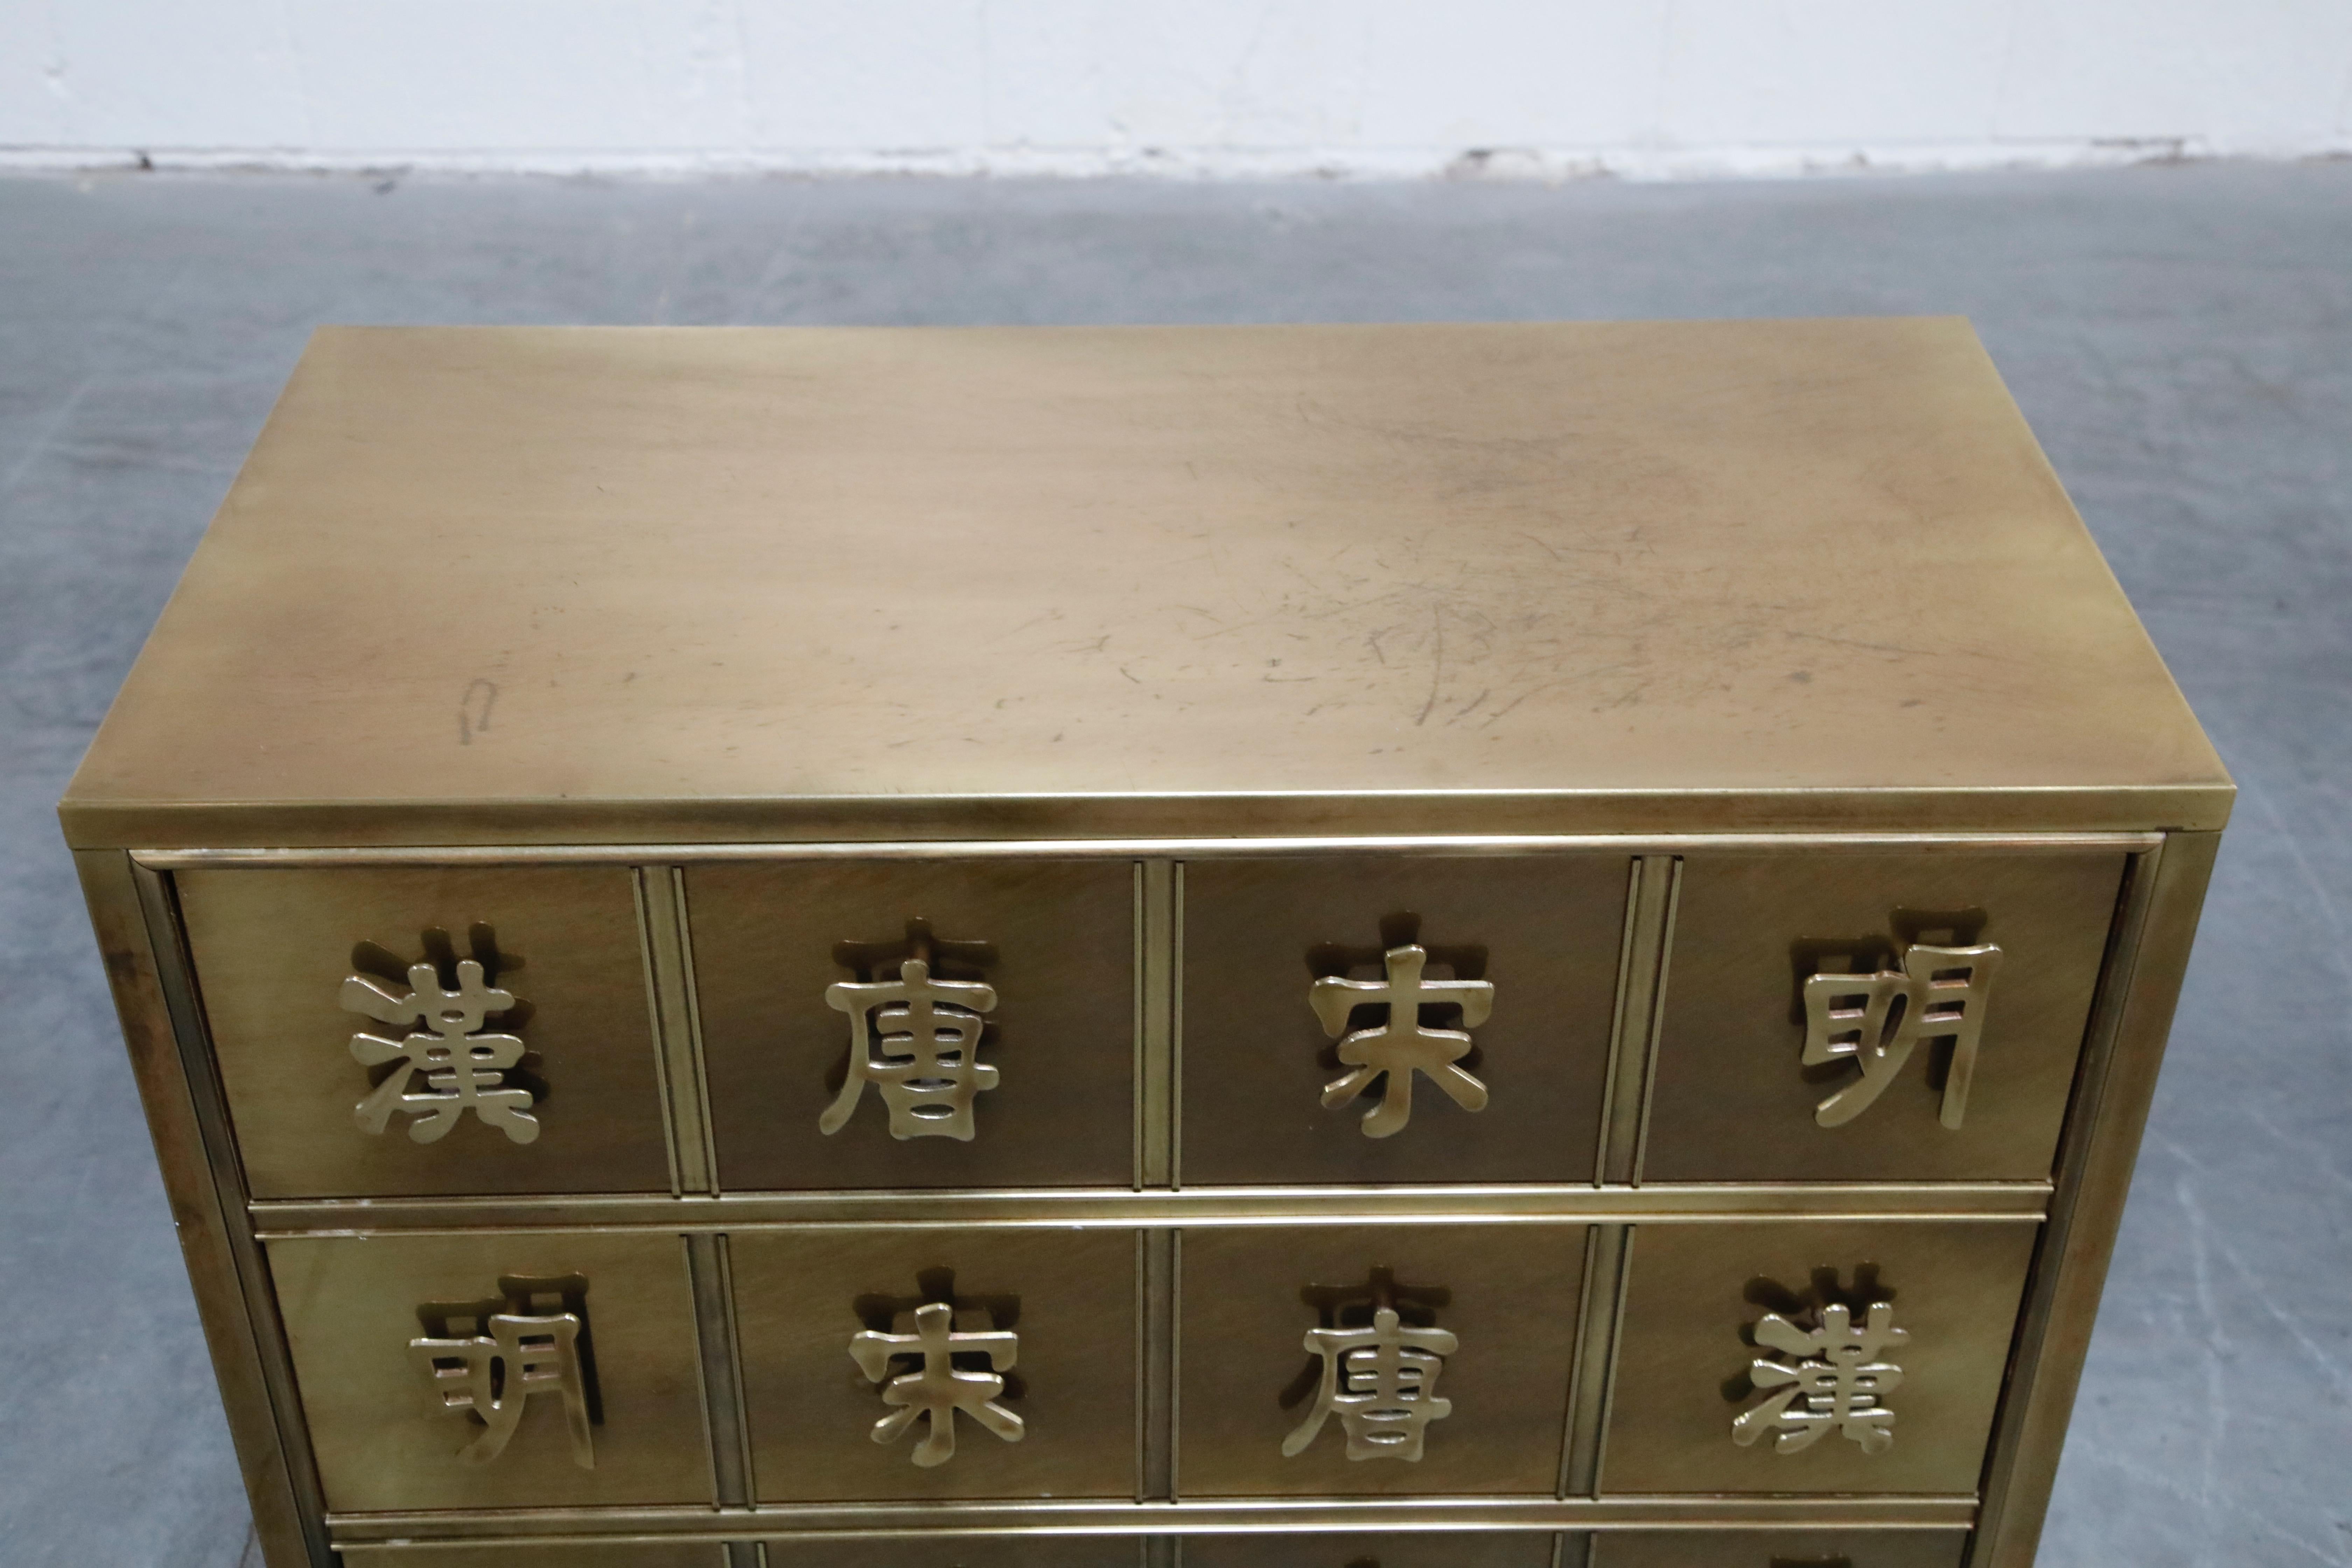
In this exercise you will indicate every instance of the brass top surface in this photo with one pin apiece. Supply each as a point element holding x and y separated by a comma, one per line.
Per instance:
<point>576,584</point>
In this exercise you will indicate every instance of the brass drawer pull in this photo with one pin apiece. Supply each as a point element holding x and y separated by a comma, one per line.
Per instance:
<point>1839,1380</point>
<point>1875,1020</point>
<point>464,1066</point>
<point>1400,1046</point>
<point>485,1360</point>
<point>916,1040</point>
<point>936,1389</point>
<point>1381,1381</point>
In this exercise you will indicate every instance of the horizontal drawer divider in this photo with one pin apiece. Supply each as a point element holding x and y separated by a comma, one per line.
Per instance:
<point>1110,1516</point>
<point>1119,1206</point>
<point>1146,848</point>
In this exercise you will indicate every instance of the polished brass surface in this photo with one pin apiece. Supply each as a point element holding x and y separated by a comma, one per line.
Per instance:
<point>273,947</point>
<point>1831,1375</point>
<point>916,1040</point>
<point>669,981</point>
<point>1053,942</point>
<point>1070,1299</point>
<point>485,1361</point>
<point>1734,1098</point>
<point>1644,967</point>
<point>1187,578</point>
<point>958,1552</point>
<point>933,1388</point>
<point>353,1308</point>
<point>1696,1304</point>
<point>1874,1022</point>
<point>1248,1297</point>
<point>464,1065</point>
<point>1381,1378</point>
<point>1449,1549</point>
<point>1545,932</point>
<point>1779,1548</point>
<point>1057,1208</point>
<point>1389,1054</point>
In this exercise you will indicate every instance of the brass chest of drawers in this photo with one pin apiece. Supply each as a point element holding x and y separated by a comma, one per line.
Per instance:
<point>1529,946</point>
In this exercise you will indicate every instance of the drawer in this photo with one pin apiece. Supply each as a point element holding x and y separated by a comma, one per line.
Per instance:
<point>1892,1339</point>
<point>410,1351</point>
<point>1779,1548</point>
<point>1388,1549</point>
<point>1734,1098</point>
<point>566,1096</point>
<point>590,1554</point>
<point>1319,1360</point>
<point>1266,943</point>
<point>1039,958</point>
<point>838,1328</point>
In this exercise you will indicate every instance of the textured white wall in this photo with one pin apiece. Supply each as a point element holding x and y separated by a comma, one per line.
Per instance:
<point>1530,86</point>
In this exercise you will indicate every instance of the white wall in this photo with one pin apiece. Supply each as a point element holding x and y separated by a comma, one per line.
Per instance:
<point>1208,87</point>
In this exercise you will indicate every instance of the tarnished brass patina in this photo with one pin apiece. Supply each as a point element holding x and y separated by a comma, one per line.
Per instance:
<point>1291,713</point>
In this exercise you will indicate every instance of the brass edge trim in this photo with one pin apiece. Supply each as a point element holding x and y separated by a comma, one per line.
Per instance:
<point>735,1349</point>
<point>1655,1028</point>
<point>692,990</point>
<point>1155,1071</point>
<point>722,1389</point>
<point>2132,1018</point>
<point>1225,1516</point>
<point>659,1018</point>
<point>1121,1207</point>
<point>1140,996</point>
<point>175,978</point>
<point>1155,1354</point>
<point>1633,1031</point>
<point>1176,1025</point>
<point>1175,1341</point>
<point>1620,1289</point>
<point>1596,1339</point>
<point>1150,848</point>
<point>1629,939</point>
<point>1572,1549</point>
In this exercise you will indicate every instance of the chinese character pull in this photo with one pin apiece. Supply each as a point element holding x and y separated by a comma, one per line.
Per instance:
<point>1838,1382</point>
<point>1875,1021</point>
<point>1381,1381</point>
<point>1400,1046</point>
<point>934,1389</point>
<point>487,1361</point>
<point>463,1067</point>
<point>916,1040</point>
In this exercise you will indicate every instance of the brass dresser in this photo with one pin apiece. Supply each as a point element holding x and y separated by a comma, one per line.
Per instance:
<point>1534,946</point>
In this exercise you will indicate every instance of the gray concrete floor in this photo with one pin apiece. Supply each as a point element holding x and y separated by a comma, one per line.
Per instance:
<point>2180,337</point>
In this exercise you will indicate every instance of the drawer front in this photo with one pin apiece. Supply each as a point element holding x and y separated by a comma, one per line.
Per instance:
<point>1812,1356</point>
<point>1388,1549</point>
<point>848,1336</point>
<point>1283,1064</point>
<point>333,1044</point>
<point>1779,1548</point>
<point>1320,1361</point>
<point>410,1352</point>
<point>795,962</point>
<point>1735,1097</point>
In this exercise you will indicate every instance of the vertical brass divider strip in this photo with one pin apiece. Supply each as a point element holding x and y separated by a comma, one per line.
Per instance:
<point>1651,889</point>
<point>1174,991</point>
<point>175,978</point>
<point>1155,943</point>
<point>1657,1020</point>
<point>722,1383</point>
<point>1155,1479</point>
<point>1572,1549</point>
<point>1163,1551</point>
<point>1606,1249</point>
<point>669,983</point>
<point>2124,1047</point>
